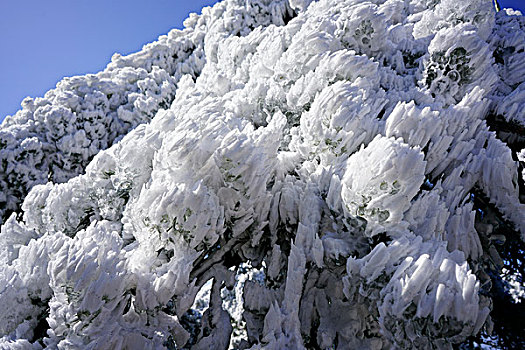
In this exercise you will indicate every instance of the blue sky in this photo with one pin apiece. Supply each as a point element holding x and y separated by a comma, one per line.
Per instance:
<point>42,41</point>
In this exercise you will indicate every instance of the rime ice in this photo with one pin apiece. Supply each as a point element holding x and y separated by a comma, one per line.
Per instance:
<point>306,165</point>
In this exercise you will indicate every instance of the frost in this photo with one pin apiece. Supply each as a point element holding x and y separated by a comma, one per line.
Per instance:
<point>279,174</point>
<point>54,137</point>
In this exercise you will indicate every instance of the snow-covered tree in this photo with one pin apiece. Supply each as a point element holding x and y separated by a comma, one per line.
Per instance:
<point>53,138</point>
<point>280,174</point>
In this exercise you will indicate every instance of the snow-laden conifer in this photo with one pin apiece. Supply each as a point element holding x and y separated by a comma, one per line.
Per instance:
<point>347,178</point>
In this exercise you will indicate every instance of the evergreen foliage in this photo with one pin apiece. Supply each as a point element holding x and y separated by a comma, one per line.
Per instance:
<point>281,175</point>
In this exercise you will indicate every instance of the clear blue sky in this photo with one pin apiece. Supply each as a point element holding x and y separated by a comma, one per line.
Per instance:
<point>42,41</point>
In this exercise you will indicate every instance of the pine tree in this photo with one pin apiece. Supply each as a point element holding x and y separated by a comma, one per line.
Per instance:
<point>279,174</point>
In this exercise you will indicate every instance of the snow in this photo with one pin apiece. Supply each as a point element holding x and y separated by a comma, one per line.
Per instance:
<point>314,160</point>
